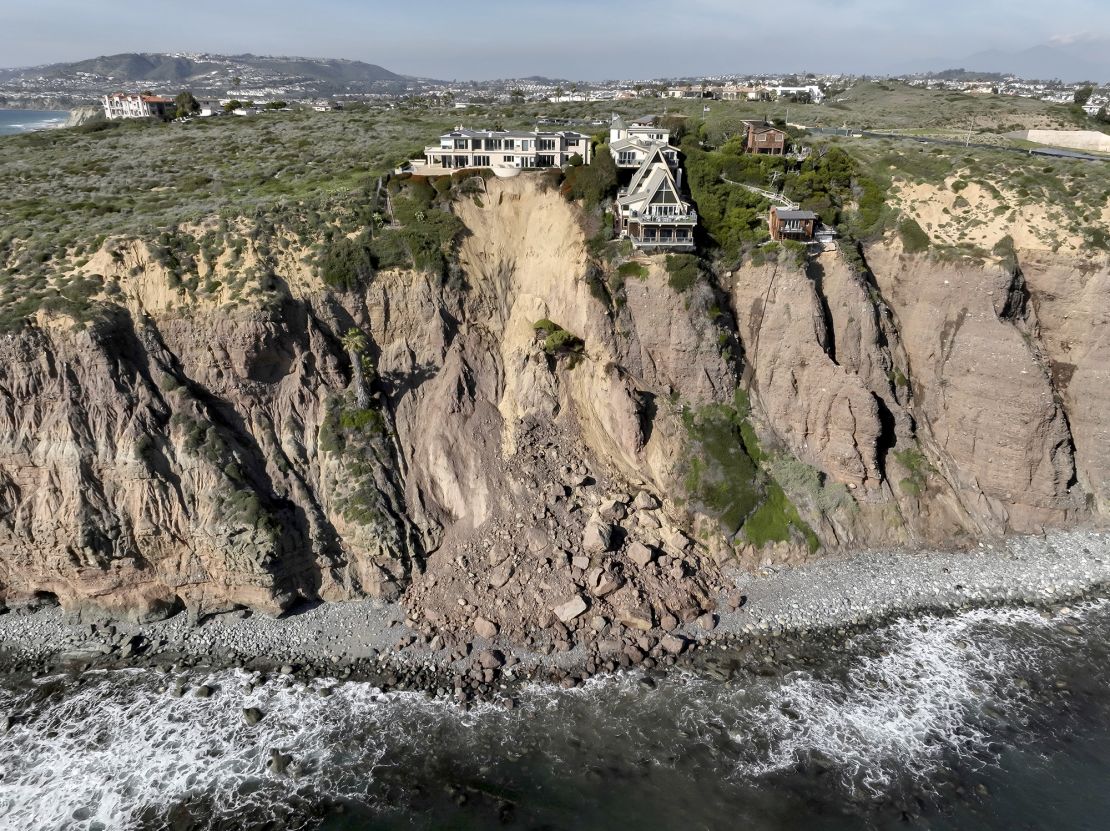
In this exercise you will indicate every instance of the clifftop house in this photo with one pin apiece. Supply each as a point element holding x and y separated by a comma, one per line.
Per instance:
<point>766,139</point>
<point>651,211</point>
<point>632,143</point>
<point>506,152</point>
<point>137,105</point>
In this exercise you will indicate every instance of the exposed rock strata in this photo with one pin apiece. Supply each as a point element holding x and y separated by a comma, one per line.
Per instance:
<point>174,454</point>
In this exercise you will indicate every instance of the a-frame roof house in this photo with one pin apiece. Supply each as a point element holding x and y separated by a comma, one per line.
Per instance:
<point>652,184</point>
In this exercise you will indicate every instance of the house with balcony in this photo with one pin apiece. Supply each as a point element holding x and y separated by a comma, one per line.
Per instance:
<point>506,152</point>
<point>765,138</point>
<point>651,211</point>
<point>632,143</point>
<point>800,226</point>
<point>137,105</point>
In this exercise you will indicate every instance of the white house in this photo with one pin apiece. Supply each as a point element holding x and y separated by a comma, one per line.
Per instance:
<point>813,91</point>
<point>651,211</point>
<point>631,144</point>
<point>503,150</point>
<point>136,105</point>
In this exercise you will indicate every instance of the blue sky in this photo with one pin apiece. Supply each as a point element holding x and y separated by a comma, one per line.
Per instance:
<point>587,40</point>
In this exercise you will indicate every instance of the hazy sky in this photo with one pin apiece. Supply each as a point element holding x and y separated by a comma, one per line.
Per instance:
<point>566,38</point>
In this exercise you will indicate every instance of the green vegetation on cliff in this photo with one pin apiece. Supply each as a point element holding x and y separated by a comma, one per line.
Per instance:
<point>726,480</point>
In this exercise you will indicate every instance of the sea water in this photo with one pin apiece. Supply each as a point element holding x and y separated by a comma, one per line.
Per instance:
<point>990,719</point>
<point>24,121</point>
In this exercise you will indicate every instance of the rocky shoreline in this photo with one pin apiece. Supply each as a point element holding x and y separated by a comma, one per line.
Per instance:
<point>773,618</point>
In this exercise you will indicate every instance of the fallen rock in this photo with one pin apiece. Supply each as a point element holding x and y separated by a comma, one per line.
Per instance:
<point>491,659</point>
<point>668,622</point>
<point>568,611</point>
<point>636,618</point>
<point>708,621</point>
<point>678,541</point>
<point>640,554</point>
<point>484,628</point>
<point>598,536</point>
<point>252,715</point>
<point>612,510</point>
<point>673,644</point>
<point>580,561</point>
<point>603,582</point>
<point>644,501</point>
<point>500,576</point>
<point>536,539</point>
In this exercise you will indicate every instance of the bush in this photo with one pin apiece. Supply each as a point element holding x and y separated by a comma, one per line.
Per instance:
<point>684,271</point>
<point>592,183</point>
<point>914,238</point>
<point>633,269</point>
<point>347,264</point>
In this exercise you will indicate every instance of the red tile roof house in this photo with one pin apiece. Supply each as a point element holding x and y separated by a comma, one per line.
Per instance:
<point>137,105</point>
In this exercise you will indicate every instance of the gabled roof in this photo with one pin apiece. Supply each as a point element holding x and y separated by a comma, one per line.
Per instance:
<point>653,159</point>
<point>651,177</point>
<point>782,213</point>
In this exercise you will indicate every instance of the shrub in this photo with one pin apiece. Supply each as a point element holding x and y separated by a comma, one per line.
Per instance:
<point>914,238</point>
<point>684,271</point>
<point>347,264</point>
<point>633,269</point>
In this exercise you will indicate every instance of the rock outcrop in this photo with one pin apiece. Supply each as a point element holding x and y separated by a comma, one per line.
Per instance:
<point>177,453</point>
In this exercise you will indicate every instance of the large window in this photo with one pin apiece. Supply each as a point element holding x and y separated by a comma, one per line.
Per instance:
<point>545,161</point>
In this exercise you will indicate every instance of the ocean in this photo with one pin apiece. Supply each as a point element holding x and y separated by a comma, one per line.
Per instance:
<point>988,719</point>
<point>24,121</point>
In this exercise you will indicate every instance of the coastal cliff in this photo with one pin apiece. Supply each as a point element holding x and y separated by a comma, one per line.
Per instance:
<point>543,436</point>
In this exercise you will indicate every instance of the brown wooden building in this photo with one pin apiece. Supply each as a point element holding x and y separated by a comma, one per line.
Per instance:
<point>799,226</point>
<point>766,139</point>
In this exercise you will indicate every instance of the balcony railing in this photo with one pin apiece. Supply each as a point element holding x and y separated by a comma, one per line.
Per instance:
<point>690,218</point>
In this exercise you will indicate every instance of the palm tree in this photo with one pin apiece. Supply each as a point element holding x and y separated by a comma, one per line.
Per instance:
<point>355,344</point>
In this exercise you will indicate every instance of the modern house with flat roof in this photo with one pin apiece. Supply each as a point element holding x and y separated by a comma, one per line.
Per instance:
<point>651,211</point>
<point>506,152</point>
<point>137,105</point>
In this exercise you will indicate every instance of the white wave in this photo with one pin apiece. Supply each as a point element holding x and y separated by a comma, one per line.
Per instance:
<point>119,747</point>
<point>902,712</point>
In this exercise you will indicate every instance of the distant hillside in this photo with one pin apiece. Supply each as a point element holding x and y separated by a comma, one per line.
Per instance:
<point>213,72</point>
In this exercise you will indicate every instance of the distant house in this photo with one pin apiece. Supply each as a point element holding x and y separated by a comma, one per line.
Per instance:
<point>631,144</point>
<point>505,151</point>
<point>811,91</point>
<point>651,211</point>
<point>765,139</point>
<point>137,105</point>
<point>799,226</point>
<point>326,106</point>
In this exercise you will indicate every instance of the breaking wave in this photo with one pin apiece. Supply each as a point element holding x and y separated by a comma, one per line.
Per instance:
<point>119,750</point>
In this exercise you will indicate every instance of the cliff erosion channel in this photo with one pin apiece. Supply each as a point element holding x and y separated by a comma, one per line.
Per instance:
<point>521,445</point>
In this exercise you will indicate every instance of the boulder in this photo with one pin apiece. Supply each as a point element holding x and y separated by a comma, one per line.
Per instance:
<point>491,659</point>
<point>644,501</point>
<point>574,607</point>
<point>678,541</point>
<point>580,561</point>
<point>708,621</point>
<point>252,715</point>
<point>673,644</point>
<point>640,554</point>
<point>602,582</point>
<point>484,628</point>
<point>636,617</point>
<point>501,575</point>
<point>598,536</point>
<point>611,510</point>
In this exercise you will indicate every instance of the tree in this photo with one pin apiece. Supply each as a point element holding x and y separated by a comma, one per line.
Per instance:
<point>1083,95</point>
<point>232,105</point>
<point>355,344</point>
<point>187,104</point>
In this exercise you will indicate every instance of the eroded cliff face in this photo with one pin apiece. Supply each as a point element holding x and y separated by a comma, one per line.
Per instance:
<point>178,452</point>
